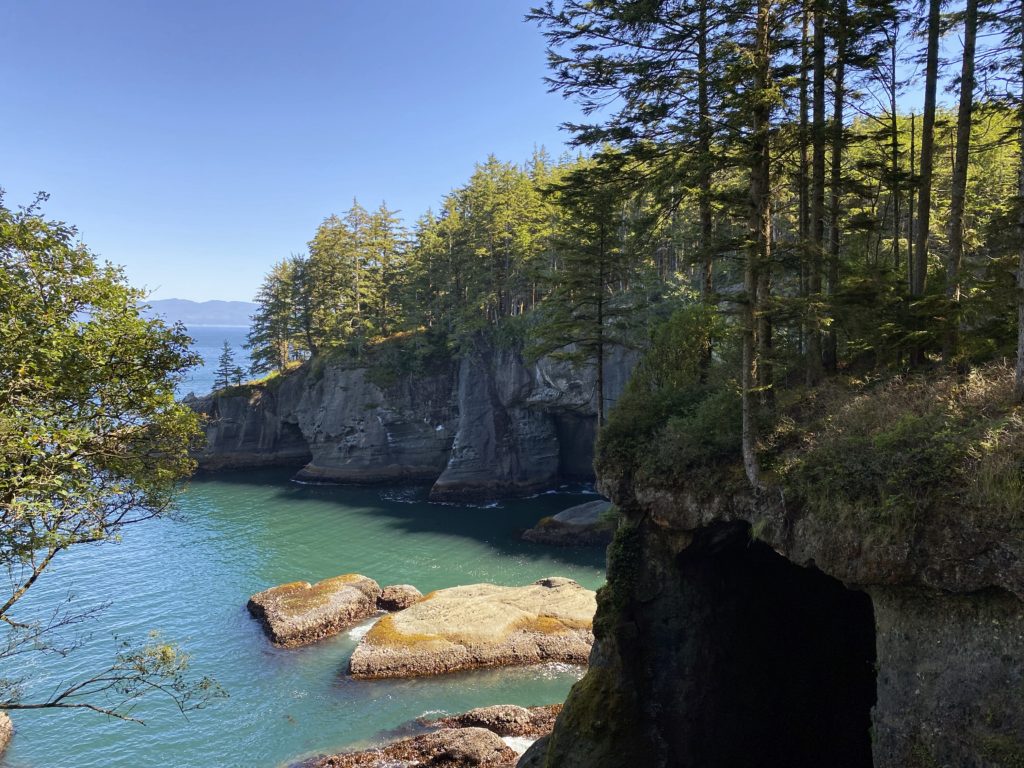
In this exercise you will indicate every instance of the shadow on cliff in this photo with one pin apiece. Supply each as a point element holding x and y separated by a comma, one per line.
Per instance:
<point>498,524</point>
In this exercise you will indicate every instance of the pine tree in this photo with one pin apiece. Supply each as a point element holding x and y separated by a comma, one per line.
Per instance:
<point>274,337</point>
<point>965,112</point>
<point>586,308</point>
<point>225,367</point>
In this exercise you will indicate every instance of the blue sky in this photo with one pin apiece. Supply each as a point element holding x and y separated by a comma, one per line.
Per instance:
<point>196,142</point>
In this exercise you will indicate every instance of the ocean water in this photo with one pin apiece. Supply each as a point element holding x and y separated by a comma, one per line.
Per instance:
<point>189,577</point>
<point>208,341</point>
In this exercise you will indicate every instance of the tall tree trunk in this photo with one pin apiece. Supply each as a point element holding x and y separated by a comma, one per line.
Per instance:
<point>956,210</point>
<point>814,353</point>
<point>704,148</point>
<point>1018,389</point>
<point>831,351</point>
<point>910,207</point>
<point>924,196</point>
<point>897,230</point>
<point>759,233</point>
<point>804,174</point>
<point>602,280</point>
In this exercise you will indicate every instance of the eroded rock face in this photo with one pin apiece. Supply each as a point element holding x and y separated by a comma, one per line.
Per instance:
<point>501,445</point>
<point>949,661</point>
<point>253,430</point>
<point>737,631</point>
<point>360,432</point>
<point>486,426</point>
<point>447,748</point>
<point>480,625</point>
<point>299,613</point>
<point>398,597</point>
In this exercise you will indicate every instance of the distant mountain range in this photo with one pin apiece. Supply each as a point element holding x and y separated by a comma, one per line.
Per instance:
<point>236,313</point>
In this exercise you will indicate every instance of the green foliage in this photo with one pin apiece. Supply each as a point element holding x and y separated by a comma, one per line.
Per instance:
<point>676,413</point>
<point>510,241</point>
<point>900,452</point>
<point>421,352</point>
<point>91,436</point>
<point>226,372</point>
<point>276,334</point>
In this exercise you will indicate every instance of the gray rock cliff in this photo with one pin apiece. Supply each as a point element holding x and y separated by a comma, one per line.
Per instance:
<point>485,426</point>
<point>738,631</point>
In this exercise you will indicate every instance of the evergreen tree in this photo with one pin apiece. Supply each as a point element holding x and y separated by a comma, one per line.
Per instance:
<point>274,337</point>
<point>588,304</point>
<point>225,367</point>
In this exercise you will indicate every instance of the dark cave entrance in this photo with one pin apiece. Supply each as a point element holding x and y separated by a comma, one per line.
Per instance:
<point>778,661</point>
<point>575,445</point>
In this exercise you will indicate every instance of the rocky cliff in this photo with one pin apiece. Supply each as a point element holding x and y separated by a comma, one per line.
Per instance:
<point>743,631</point>
<point>483,426</point>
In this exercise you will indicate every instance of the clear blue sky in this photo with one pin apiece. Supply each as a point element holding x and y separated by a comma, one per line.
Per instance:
<point>196,142</point>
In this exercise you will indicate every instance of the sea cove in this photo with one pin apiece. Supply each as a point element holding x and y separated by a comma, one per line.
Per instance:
<point>189,577</point>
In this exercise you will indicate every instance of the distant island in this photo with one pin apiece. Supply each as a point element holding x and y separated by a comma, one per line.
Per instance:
<point>233,313</point>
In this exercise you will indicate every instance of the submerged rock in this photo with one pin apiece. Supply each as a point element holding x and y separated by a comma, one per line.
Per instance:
<point>398,596</point>
<point>481,625</point>
<point>299,613</point>
<point>585,525</point>
<point>447,748</point>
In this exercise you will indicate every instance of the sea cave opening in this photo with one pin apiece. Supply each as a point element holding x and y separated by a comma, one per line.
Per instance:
<point>778,661</point>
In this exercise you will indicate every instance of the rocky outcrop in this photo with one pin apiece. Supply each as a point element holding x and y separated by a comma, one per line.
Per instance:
<point>584,525</point>
<point>741,631</point>
<point>501,446</point>
<point>504,720</point>
<point>447,748</point>
<point>480,625</point>
<point>398,596</point>
<point>485,426</point>
<point>335,421</point>
<point>300,613</point>
<point>457,741</point>
<point>6,731</point>
<point>252,427</point>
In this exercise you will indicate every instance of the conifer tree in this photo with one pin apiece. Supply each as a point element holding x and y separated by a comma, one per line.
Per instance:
<point>588,304</point>
<point>225,367</point>
<point>273,337</point>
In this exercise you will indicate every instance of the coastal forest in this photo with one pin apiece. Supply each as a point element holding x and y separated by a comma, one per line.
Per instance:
<point>762,323</point>
<point>769,193</point>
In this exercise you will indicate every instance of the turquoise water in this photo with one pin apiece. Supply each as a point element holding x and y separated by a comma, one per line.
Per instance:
<point>190,578</point>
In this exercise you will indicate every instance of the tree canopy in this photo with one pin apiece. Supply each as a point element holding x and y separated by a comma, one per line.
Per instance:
<point>91,441</point>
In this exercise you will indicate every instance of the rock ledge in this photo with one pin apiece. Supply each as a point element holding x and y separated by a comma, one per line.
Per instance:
<point>481,625</point>
<point>299,613</point>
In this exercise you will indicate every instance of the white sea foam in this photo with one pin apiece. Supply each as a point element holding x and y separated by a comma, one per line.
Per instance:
<point>518,744</point>
<point>359,631</point>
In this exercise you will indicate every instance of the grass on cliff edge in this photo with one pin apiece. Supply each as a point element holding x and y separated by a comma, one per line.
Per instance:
<point>907,447</point>
<point>271,381</point>
<point>886,450</point>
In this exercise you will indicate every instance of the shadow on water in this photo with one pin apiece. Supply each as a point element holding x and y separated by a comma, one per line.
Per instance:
<point>496,524</point>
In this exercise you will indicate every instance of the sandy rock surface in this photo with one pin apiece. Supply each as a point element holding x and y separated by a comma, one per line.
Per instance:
<point>299,613</point>
<point>481,625</point>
